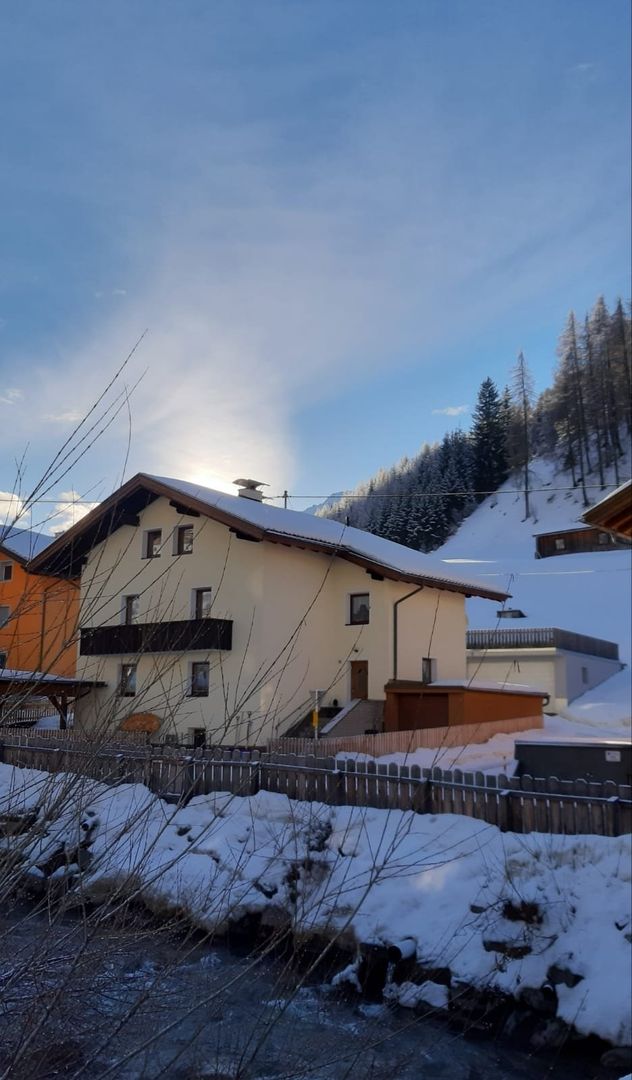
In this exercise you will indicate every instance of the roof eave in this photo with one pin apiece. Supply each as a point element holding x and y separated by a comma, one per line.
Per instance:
<point>46,559</point>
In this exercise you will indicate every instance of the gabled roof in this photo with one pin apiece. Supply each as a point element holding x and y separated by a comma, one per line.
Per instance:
<point>254,521</point>
<point>22,544</point>
<point>613,512</point>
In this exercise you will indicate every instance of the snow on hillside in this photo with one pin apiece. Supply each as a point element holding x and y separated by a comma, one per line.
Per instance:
<point>589,594</point>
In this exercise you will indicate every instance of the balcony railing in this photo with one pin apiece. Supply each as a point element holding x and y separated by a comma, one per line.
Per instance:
<point>546,637</point>
<point>186,635</point>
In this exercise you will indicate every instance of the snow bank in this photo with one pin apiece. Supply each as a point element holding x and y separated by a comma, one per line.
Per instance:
<point>447,886</point>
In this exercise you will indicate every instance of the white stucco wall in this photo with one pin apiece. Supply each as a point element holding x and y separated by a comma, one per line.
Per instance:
<point>289,608</point>
<point>557,672</point>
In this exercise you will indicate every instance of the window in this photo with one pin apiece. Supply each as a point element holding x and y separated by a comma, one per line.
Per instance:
<point>604,538</point>
<point>201,603</point>
<point>428,668</point>
<point>198,736</point>
<point>127,683</point>
<point>585,676</point>
<point>130,609</point>
<point>6,571</point>
<point>560,543</point>
<point>5,611</point>
<point>358,609</point>
<point>199,679</point>
<point>3,659</point>
<point>153,543</point>
<point>184,540</point>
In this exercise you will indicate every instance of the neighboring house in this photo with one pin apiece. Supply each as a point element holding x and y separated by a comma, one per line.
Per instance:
<point>613,513</point>
<point>214,615</point>
<point>561,663</point>
<point>38,613</point>
<point>576,540</point>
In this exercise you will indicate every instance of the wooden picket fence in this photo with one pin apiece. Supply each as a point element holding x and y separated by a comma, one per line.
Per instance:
<point>405,742</point>
<point>515,804</point>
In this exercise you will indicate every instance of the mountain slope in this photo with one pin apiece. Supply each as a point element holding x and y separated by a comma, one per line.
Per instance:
<point>587,593</point>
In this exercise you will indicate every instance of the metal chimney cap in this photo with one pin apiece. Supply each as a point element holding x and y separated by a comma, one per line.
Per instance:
<point>251,484</point>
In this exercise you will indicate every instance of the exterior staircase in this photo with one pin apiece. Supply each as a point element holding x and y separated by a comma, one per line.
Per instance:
<point>303,728</point>
<point>356,718</point>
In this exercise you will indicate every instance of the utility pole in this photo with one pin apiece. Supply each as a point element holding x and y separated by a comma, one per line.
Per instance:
<point>285,498</point>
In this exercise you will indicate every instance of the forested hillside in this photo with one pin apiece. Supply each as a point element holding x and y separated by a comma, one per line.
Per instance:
<point>584,419</point>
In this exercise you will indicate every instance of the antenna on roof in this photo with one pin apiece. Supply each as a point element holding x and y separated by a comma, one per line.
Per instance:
<point>249,489</point>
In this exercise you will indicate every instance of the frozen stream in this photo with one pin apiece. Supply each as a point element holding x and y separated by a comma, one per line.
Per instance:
<point>199,1010</point>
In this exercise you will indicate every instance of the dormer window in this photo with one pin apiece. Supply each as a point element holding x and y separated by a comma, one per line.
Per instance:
<point>152,544</point>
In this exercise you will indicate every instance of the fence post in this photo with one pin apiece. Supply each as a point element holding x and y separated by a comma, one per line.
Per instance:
<point>505,810</point>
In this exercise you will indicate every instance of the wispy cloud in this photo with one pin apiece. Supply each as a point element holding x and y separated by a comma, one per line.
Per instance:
<point>451,410</point>
<point>69,416</point>
<point>11,396</point>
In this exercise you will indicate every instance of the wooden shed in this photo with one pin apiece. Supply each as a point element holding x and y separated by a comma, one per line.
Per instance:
<point>414,705</point>
<point>577,540</point>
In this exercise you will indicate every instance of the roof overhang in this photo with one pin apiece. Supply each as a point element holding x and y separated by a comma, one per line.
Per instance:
<point>613,513</point>
<point>65,556</point>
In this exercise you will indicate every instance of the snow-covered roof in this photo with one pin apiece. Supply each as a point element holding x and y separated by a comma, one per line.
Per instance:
<point>24,544</point>
<point>489,685</point>
<point>261,521</point>
<point>613,512</point>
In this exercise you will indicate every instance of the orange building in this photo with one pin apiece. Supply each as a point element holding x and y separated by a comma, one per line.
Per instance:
<point>38,613</point>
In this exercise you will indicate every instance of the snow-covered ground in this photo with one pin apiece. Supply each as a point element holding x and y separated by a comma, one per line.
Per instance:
<point>447,890</point>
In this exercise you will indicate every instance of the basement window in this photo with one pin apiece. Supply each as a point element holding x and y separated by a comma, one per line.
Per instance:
<point>359,609</point>
<point>6,571</point>
<point>152,544</point>
<point>183,540</point>
<point>127,680</point>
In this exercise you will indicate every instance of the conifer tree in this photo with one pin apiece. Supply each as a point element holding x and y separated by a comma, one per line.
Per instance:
<point>489,434</point>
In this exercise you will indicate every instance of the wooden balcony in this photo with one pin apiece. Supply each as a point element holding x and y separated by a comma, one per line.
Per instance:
<point>188,635</point>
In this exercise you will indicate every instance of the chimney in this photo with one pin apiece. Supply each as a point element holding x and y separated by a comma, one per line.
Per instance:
<point>249,489</point>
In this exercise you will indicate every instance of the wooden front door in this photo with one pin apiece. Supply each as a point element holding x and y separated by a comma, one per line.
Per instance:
<point>360,679</point>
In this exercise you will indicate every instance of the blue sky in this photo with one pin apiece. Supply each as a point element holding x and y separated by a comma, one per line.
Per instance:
<point>333,219</point>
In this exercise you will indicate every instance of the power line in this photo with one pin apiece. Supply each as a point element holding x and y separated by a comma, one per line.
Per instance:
<point>354,495</point>
<point>440,494</point>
